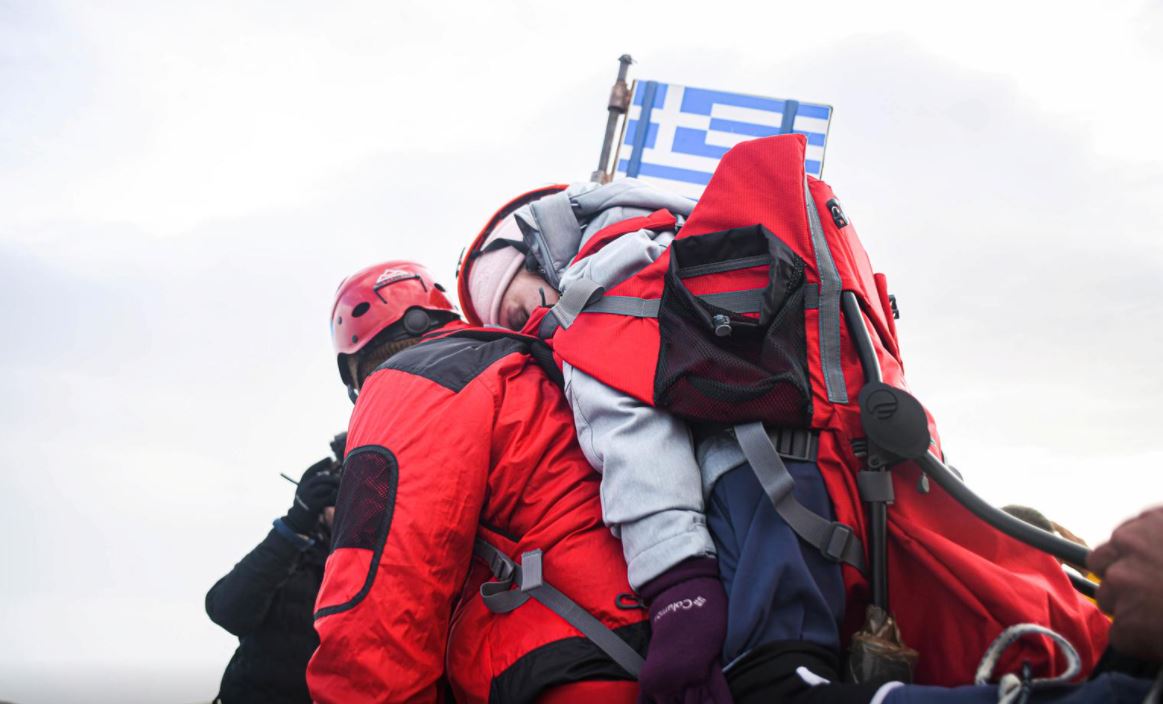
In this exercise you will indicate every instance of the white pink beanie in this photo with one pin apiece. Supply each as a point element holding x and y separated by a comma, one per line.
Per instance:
<point>494,270</point>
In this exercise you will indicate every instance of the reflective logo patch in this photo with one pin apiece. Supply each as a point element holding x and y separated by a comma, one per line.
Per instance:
<point>391,276</point>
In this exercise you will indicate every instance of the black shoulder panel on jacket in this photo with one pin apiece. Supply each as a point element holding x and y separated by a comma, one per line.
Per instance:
<point>562,662</point>
<point>453,361</point>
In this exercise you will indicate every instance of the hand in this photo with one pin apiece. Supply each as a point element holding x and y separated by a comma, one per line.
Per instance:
<point>1131,567</point>
<point>688,619</point>
<point>317,490</point>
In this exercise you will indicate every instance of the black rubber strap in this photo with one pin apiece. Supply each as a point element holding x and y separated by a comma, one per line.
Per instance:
<point>719,267</point>
<point>745,301</point>
<point>834,539</point>
<point>500,598</point>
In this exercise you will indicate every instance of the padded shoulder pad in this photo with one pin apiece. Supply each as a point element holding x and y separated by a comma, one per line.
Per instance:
<point>453,361</point>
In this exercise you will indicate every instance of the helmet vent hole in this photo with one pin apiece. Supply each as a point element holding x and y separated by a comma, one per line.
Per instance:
<point>360,309</point>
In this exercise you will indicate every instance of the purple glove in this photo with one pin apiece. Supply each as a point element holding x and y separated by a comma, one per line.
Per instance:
<point>688,620</point>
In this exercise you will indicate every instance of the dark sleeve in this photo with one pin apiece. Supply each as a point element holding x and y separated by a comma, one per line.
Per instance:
<point>769,674</point>
<point>1114,661</point>
<point>239,601</point>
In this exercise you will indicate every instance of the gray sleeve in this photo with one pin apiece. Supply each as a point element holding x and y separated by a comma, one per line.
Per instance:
<point>651,485</point>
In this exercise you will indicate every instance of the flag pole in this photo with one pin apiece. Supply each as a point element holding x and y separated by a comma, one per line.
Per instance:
<point>618,105</point>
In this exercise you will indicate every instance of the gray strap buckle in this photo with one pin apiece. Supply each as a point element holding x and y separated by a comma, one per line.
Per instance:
<point>836,547</point>
<point>498,595</point>
<point>576,298</point>
<point>530,577</point>
<point>502,567</point>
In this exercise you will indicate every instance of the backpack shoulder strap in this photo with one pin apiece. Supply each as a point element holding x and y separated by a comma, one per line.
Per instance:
<point>835,540</point>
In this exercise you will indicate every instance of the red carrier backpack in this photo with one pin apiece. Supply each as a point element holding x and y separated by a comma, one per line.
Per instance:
<point>766,310</point>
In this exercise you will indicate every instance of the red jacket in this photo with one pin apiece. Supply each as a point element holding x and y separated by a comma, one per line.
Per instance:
<point>452,440</point>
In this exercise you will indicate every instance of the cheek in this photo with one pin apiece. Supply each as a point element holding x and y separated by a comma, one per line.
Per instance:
<point>521,302</point>
<point>510,310</point>
<point>514,297</point>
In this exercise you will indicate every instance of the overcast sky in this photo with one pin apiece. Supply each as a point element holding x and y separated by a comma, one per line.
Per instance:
<point>182,186</point>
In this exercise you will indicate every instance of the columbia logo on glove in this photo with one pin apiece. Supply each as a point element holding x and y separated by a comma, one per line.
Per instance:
<point>681,604</point>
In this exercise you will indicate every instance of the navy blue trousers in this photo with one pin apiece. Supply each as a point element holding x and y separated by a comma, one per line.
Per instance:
<point>778,587</point>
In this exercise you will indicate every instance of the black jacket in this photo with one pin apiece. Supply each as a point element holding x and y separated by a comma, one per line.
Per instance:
<point>268,601</point>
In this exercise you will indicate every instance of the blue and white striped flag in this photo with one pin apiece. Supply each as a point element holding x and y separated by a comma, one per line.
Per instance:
<point>690,129</point>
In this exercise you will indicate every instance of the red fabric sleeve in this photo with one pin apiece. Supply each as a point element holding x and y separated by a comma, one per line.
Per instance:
<point>385,604</point>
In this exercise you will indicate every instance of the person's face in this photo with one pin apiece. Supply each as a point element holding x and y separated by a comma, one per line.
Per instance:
<point>329,516</point>
<point>526,293</point>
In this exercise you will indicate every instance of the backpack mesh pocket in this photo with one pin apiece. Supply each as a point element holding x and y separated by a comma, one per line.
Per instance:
<point>720,364</point>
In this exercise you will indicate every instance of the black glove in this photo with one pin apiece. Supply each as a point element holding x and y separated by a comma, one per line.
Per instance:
<point>339,446</point>
<point>317,491</point>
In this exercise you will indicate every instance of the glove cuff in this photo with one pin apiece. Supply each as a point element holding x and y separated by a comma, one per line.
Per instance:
<point>286,531</point>
<point>692,568</point>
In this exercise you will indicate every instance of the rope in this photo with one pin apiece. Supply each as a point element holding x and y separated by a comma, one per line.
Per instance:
<point>1011,688</point>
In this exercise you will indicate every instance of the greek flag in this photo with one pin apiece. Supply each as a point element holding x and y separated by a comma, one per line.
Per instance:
<point>675,135</point>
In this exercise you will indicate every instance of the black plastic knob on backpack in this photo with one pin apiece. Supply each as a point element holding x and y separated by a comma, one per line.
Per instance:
<point>722,325</point>
<point>894,421</point>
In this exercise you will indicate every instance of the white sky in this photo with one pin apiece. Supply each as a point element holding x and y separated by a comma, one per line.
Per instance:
<point>182,185</point>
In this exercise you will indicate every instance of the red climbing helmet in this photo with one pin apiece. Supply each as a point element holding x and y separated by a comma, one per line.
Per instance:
<point>396,293</point>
